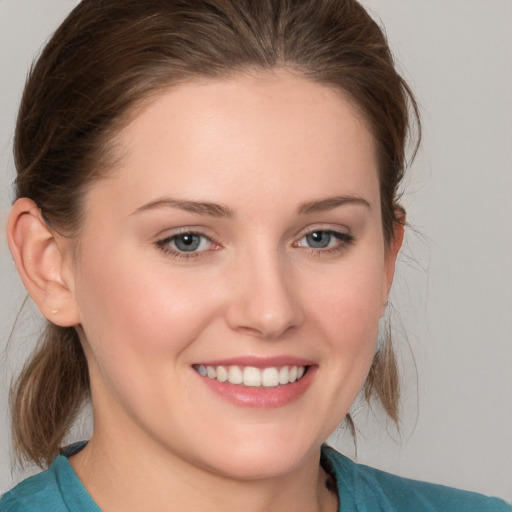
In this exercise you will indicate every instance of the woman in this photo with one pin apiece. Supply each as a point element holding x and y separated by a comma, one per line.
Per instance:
<point>207,215</point>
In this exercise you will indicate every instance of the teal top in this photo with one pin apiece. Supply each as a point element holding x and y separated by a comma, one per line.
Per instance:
<point>360,489</point>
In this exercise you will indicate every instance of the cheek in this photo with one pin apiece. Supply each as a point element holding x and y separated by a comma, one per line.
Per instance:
<point>350,298</point>
<point>138,324</point>
<point>134,312</point>
<point>345,310</point>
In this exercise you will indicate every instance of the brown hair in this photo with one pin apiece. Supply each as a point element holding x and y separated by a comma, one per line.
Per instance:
<point>109,55</point>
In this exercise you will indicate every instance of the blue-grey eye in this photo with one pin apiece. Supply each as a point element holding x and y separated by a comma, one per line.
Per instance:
<point>185,245</point>
<point>187,242</point>
<point>319,239</point>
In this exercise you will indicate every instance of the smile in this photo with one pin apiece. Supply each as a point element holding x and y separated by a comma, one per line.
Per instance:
<point>251,376</point>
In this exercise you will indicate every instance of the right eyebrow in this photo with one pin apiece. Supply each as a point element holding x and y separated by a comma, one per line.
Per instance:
<point>199,207</point>
<point>329,203</point>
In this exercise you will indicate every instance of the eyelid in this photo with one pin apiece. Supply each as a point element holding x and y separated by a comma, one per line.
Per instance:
<point>163,243</point>
<point>181,230</point>
<point>344,239</point>
<point>333,228</point>
<point>340,235</point>
<point>343,236</point>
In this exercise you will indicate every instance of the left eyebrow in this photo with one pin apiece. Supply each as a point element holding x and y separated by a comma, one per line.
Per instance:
<point>330,203</point>
<point>199,207</point>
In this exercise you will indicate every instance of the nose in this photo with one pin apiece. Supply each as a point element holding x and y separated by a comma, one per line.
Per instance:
<point>264,300</point>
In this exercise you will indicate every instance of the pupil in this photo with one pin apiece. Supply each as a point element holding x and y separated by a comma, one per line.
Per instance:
<point>319,239</point>
<point>187,242</point>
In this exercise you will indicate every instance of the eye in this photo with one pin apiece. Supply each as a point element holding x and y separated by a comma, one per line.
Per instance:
<point>325,239</point>
<point>319,239</point>
<point>185,244</point>
<point>188,242</point>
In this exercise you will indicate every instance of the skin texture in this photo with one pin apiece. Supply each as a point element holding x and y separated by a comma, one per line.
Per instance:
<point>261,145</point>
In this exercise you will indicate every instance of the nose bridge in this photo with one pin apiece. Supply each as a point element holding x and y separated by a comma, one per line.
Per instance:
<point>264,302</point>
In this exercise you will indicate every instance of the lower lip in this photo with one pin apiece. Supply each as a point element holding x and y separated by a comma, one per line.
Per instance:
<point>271,397</point>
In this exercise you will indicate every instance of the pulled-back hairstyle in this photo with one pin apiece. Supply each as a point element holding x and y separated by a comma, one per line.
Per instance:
<point>109,56</point>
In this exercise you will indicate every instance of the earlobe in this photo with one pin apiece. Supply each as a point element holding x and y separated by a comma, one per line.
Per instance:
<point>40,261</point>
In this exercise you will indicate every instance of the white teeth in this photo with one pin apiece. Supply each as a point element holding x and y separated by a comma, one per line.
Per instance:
<point>251,376</point>
<point>235,375</point>
<point>283,375</point>
<point>222,374</point>
<point>269,377</point>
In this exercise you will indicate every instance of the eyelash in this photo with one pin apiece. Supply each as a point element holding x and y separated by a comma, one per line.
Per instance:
<point>344,240</point>
<point>164,245</point>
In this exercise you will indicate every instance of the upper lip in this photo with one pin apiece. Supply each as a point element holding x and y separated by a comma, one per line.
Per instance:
<point>259,362</point>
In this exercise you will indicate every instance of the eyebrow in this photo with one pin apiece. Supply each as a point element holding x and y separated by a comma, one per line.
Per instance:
<point>330,203</point>
<point>199,207</point>
<point>222,211</point>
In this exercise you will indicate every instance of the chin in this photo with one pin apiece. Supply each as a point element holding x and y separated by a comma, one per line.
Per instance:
<point>260,460</point>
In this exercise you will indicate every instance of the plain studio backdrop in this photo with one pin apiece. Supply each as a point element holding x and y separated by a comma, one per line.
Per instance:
<point>453,289</point>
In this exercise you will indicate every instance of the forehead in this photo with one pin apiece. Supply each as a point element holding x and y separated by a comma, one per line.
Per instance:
<point>251,133</point>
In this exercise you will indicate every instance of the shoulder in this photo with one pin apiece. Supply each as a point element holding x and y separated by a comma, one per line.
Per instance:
<point>371,489</point>
<point>58,489</point>
<point>37,493</point>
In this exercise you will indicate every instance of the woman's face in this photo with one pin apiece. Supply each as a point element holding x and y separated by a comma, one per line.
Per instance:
<point>240,236</point>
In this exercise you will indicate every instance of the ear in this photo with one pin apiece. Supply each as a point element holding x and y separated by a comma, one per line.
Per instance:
<point>394,246</point>
<point>42,259</point>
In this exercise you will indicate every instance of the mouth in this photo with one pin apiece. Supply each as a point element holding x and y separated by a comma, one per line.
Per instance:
<point>251,376</point>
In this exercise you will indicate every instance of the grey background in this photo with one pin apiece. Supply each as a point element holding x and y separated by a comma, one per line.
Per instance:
<point>453,290</point>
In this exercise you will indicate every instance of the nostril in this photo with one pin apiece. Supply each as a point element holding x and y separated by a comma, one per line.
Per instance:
<point>265,331</point>
<point>262,303</point>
